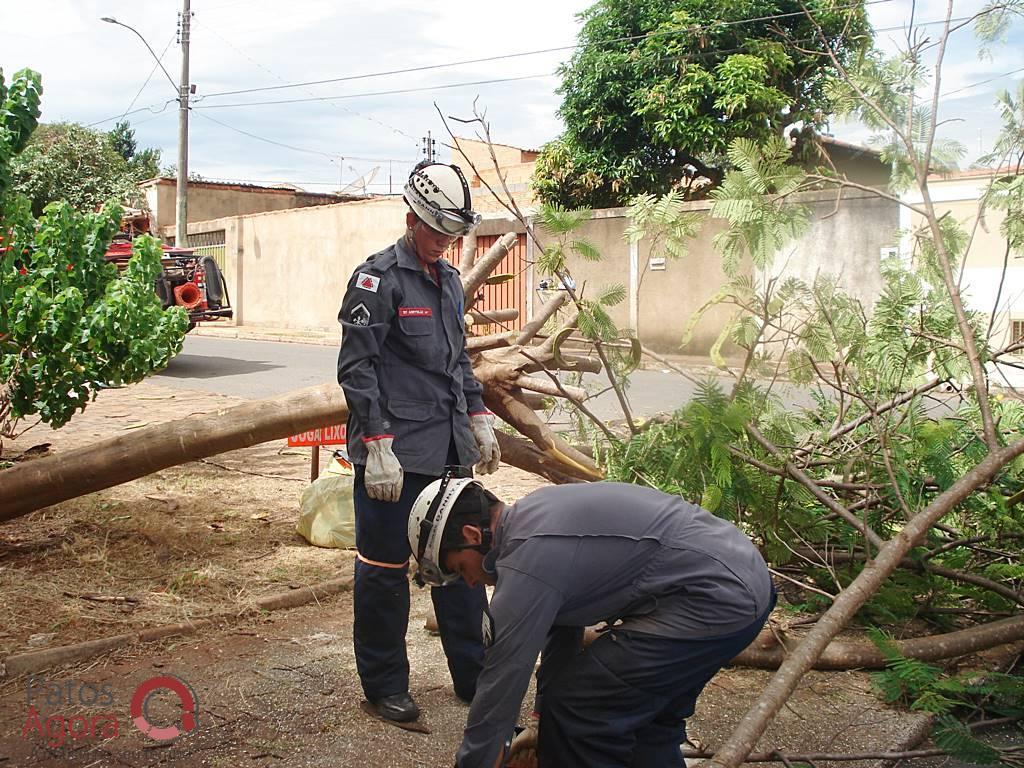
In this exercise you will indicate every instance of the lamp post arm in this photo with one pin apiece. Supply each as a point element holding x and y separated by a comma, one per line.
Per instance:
<point>138,34</point>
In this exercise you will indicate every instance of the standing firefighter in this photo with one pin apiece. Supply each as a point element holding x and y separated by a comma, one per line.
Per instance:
<point>680,591</point>
<point>414,408</point>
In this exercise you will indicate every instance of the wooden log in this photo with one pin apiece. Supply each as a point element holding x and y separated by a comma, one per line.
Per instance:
<point>546,312</point>
<point>765,652</point>
<point>480,317</point>
<point>534,401</point>
<point>468,252</point>
<point>483,268</point>
<point>523,454</point>
<point>493,341</point>
<point>548,387</point>
<point>574,363</point>
<point>36,484</point>
<point>513,411</point>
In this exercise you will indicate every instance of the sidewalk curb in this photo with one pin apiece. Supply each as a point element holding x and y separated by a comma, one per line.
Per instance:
<point>284,335</point>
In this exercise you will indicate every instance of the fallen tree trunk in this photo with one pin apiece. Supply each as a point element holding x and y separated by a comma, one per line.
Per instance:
<point>36,484</point>
<point>766,653</point>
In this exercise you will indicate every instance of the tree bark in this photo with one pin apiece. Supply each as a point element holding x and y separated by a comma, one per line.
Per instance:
<point>765,652</point>
<point>40,483</point>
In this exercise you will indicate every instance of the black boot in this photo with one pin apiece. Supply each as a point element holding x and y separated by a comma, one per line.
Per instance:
<point>399,707</point>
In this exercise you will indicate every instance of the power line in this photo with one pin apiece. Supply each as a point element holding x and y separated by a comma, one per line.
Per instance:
<point>378,93</point>
<point>150,108</point>
<point>503,57</point>
<point>399,131</point>
<point>150,77</point>
<point>982,82</point>
<point>329,156</point>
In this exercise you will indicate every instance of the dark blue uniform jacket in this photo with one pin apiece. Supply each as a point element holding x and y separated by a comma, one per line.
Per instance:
<point>403,362</point>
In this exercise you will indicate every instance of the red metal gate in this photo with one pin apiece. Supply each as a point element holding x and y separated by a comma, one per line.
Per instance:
<point>508,293</point>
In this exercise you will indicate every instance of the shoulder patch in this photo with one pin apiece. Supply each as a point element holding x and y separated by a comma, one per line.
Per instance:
<point>359,315</point>
<point>367,282</point>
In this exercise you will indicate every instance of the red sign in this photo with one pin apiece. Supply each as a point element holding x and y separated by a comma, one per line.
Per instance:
<point>334,435</point>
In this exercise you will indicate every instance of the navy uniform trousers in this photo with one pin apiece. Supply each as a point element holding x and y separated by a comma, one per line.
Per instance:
<point>623,701</point>
<point>381,599</point>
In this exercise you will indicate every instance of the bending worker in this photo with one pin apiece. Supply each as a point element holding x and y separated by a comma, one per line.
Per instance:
<point>681,591</point>
<point>414,408</point>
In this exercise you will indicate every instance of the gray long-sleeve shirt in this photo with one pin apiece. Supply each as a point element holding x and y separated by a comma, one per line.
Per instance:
<point>577,555</point>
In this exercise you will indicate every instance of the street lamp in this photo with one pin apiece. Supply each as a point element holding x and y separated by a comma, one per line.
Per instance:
<point>181,218</point>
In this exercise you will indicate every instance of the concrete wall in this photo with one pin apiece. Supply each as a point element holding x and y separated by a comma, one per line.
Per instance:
<point>848,243</point>
<point>208,200</point>
<point>289,268</point>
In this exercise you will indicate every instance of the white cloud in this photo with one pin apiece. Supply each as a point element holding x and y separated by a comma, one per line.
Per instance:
<point>93,70</point>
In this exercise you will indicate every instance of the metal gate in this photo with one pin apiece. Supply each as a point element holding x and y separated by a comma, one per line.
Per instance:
<point>499,294</point>
<point>209,244</point>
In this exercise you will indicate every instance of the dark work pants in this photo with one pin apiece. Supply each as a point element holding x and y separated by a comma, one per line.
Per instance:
<point>623,701</point>
<point>381,600</point>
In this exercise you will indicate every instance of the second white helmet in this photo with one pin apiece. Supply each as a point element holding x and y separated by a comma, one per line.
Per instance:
<point>427,520</point>
<point>439,196</point>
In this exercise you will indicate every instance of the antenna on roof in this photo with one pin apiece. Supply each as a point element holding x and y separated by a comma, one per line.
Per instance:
<point>360,185</point>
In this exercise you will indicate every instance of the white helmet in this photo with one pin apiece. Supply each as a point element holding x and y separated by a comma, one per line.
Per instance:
<point>439,196</point>
<point>427,520</point>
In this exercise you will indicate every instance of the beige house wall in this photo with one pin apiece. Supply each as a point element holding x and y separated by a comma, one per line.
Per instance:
<point>986,288</point>
<point>847,245</point>
<point>289,268</point>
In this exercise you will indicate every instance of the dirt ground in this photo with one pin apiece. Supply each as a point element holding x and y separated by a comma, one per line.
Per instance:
<point>209,538</point>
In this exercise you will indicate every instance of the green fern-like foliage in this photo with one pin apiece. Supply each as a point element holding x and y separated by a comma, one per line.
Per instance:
<point>925,688</point>
<point>557,220</point>
<point>956,738</point>
<point>752,199</point>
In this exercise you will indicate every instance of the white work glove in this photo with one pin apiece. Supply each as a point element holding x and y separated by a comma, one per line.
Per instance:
<point>523,752</point>
<point>483,431</point>
<point>383,478</point>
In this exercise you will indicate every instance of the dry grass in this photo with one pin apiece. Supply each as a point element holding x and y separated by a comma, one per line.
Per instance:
<point>202,539</point>
<point>183,544</point>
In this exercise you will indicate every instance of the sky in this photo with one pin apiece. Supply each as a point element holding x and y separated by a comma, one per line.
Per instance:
<point>361,131</point>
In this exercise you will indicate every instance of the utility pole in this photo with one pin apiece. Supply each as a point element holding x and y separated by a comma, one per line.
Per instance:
<point>181,228</point>
<point>429,148</point>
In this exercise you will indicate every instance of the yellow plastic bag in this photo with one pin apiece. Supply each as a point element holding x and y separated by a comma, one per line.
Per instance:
<point>327,515</point>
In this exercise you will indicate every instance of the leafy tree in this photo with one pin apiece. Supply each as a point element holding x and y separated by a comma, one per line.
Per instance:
<point>86,168</point>
<point>658,90</point>
<point>69,323</point>
<point>144,164</point>
<point>122,139</point>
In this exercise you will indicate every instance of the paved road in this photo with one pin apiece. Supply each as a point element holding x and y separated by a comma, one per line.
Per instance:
<point>259,369</point>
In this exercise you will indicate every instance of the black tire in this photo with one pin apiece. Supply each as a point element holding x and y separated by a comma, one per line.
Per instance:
<point>163,292</point>
<point>214,282</point>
